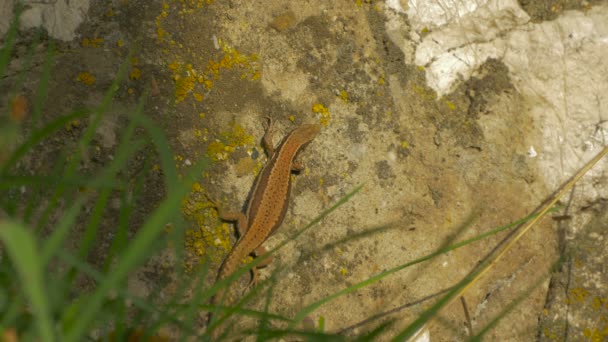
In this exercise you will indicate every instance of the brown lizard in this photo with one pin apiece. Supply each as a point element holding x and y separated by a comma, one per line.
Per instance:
<point>268,201</point>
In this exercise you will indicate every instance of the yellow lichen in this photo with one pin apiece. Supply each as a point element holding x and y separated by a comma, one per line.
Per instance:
<point>207,231</point>
<point>423,92</point>
<point>232,59</point>
<point>451,105</point>
<point>93,42</point>
<point>578,294</point>
<point>216,151</point>
<point>187,76</point>
<point>183,86</point>
<point>174,66</point>
<point>86,78</point>
<point>135,74</point>
<point>549,334</point>
<point>595,334</point>
<point>598,303</point>
<point>344,95</point>
<point>72,125</point>
<point>237,136</point>
<point>321,109</point>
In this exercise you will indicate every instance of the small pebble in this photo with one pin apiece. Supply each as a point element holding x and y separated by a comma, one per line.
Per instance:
<point>284,21</point>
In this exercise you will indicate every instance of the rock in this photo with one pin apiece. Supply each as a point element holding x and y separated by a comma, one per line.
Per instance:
<point>284,21</point>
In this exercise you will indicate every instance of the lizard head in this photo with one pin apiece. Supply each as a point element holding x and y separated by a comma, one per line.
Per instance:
<point>306,133</point>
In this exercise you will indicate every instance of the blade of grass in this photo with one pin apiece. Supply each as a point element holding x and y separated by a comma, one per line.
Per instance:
<point>224,283</point>
<point>124,151</point>
<point>84,141</point>
<point>162,147</point>
<point>477,273</point>
<point>10,312</point>
<point>264,322</point>
<point>9,39</point>
<point>236,309</point>
<point>118,317</point>
<point>54,242</point>
<point>372,335</point>
<point>140,248</point>
<point>43,85</point>
<point>19,199</point>
<point>15,181</point>
<point>294,333</point>
<point>186,312</point>
<point>89,132</point>
<point>312,307</point>
<point>247,267</point>
<point>127,147</point>
<point>92,227</point>
<point>247,312</point>
<point>89,271</point>
<point>21,247</point>
<point>25,69</point>
<point>39,135</point>
<point>120,241</point>
<point>391,311</point>
<point>37,196</point>
<point>512,305</point>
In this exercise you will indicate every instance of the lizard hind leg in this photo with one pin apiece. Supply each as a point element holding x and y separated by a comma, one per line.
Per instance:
<point>297,166</point>
<point>254,271</point>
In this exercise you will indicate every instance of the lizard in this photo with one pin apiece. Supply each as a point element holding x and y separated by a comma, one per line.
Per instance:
<point>267,203</point>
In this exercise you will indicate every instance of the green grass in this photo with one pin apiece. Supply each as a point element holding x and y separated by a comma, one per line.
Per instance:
<point>38,275</point>
<point>39,294</point>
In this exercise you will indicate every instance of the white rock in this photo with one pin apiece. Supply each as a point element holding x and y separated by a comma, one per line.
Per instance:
<point>60,18</point>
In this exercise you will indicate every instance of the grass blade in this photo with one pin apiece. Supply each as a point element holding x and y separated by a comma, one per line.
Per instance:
<point>247,267</point>
<point>312,307</point>
<point>43,87</point>
<point>162,147</point>
<point>25,68</point>
<point>14,181</point>
<point>53,242</point>
<point>9,40</point>
<point>512,305</point>
<point>477,273</point>
<point>139,249</point>
<point>22,249</point>
<point>87,269</point>
<point>40,135</point>
<point>84,141</point>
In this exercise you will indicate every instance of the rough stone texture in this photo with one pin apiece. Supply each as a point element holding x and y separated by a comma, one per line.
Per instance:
<point>436,170</point>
